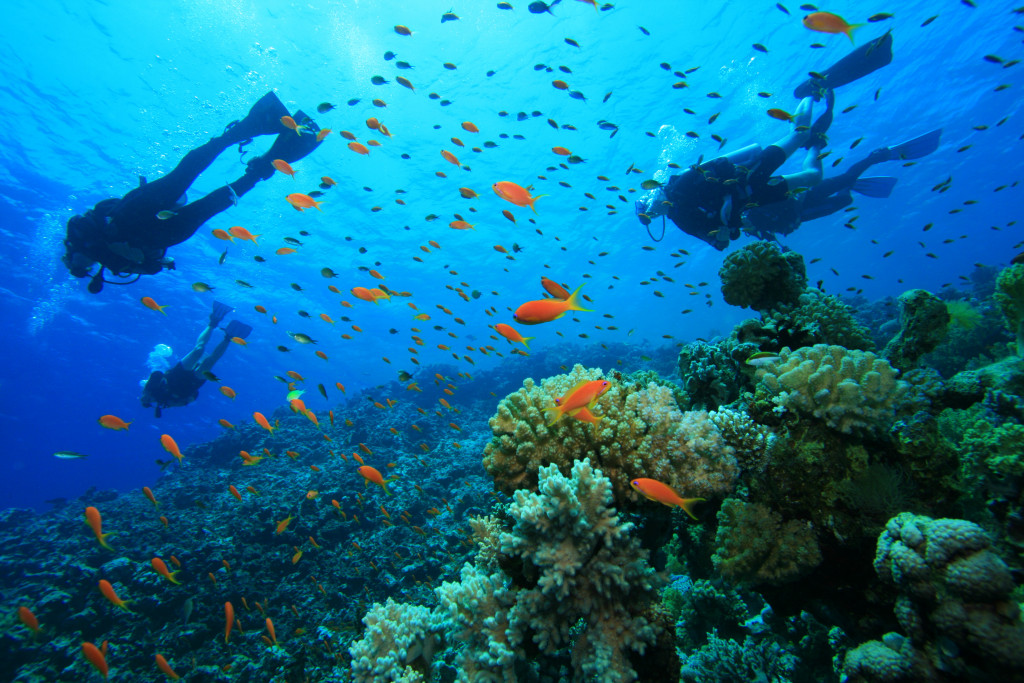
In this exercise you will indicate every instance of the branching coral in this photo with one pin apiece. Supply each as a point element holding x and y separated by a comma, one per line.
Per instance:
<point>580,563</point>
<point>642,433</point>
<point>753,442</point>
<point>710,376</point>
<point>761,276</point>
<point>399,641</point>
<point>847,389</point>
<point>753,545</point>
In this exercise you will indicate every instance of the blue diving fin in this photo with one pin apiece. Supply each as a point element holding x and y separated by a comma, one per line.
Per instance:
<point>219,312</point>
<point>237,329</point>
<point>879,187</point>
<point>921,146</point>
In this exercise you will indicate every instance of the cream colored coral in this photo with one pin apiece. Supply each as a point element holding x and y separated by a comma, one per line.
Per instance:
<point>847,389</point>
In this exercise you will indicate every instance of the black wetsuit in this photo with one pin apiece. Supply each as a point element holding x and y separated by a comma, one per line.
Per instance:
<point>177,387</point>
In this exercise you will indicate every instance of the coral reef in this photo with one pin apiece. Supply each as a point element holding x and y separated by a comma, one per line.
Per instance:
<point>1009,297</point>
<point>954,605</point>
<point>753,443</point>
<point>723,660</point>
<point>710,375</point>
<point>398,644</point>
<point>849,390</point>
<point>816,318</point>
<point>924,319</point>
<point>753,545</point>
<point>642,433</point>
<point>762,276</point>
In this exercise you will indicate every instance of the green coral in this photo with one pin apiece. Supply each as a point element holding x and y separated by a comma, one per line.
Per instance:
<point>924,320</point>
<point>1000,448</point>
<point>642,433</point>
<point>816,318</point>
<point>1009,297</point>
<point>847,389</point>
<point>753,545</point>
<point>761,276</point>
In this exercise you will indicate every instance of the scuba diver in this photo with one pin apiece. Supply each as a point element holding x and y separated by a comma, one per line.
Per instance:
<point>180,385</point>
<point>708,200</point>
<point>130,236</point>
<point>833,194</point>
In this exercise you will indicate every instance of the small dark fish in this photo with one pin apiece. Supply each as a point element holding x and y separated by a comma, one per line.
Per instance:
<point>504,5</point>
<point>542,7</point>
<point>491,73</point>
<point>69,455</point>
<point>781,8</point>
<point>259,259</point>
<point>404,376</point>
<point>666,66</point>
<point>324,107</point>
<point>210,376</point>
<point>573,159</point>
<point>576,94</point>
<point>881,16</point>
<point>388,56</point>
<point>353,102</point>
<point>522,116</point>
<point>449,66</point>
<point>565,69</point>
<point>808,7</point>
<point>760,48</point>
<point>929,20</point>
<point>714,96</point>
<point>476,292</point>
<point>296,287</point>
<point>644,31</point>
<point>378,80</point>
<point>855,143</point>
<point>243,283</point>
<point>283,349</point>
<point>303,314</point>
<point>449,16</point>
<point>572,42</point>
<point>292,240</point>
<point>318,193</point>
<point>220,261</point>
<point>995,59</point>
<point>607,95</point>
<point>323,390</point>
<point>568,126</point>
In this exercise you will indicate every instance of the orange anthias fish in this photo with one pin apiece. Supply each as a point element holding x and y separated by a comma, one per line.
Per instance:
<point>780,114</point>
<point>372,474</point>
<point>162,664</point>
<point>324,132</point>
<point>261,420</point>
<point>110,594</point>
<point>228,391</point>
<point>663,493</point>
<point>289,122</point>
<point>510,333</point>
<point>243,234</point>
<point>826,22</point>
<point>301,202</point>
<point>113,422</point>
<point>148,492</point>
<point>518,195</point>
<point>96,658</point>
<point>152,305</point>
<point>29,619</point>
<point>450,158</point>
<point>553,288</point>
<point>95,521</point>
<point>284,167</point>
<point>223,235</point>
<point>470,127</point>
<point>583,395</point>
<point>161,568</point>
<point>358,148</point>
<point>546,310</point>
<point>170,446</point>
<point>461,225</point>
<point>229,620</point>
<point>283,524</point>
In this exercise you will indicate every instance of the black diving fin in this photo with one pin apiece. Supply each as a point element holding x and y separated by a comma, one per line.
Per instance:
<point>237,329</point>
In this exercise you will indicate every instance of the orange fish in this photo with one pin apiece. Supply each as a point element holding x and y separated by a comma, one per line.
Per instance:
<point>113,422</point>
<point>301,201</point>
<point>561,85</point>
<point>826,22</point>
<point>234,492</point>
<point>161,663</point>
<point>284,251</point>
<point>554,289</point>
<point>161,569</point>
<point>780,115</point>
<point>461,225</point>
<point>243,234</point>
<point>327,180</point>
<point>470,126</point>
<point>404,82</point>
<point>262,422</point>
<point>170,446</point>
<point>228,391</point>
<point>284,167</point>
<point>371,474</point>
<point>152,305</point>
<point>223,235</point>
<point>546,310</point>
<point>95,522</point>
<point>358,148</point>
<point>96,658</point>
<point>110,594</point>
<point>283,524</point>
<point>148,492</point>
<point>29,619</point>
<point>468,193</point>
<point>363,294</point>
<point>508,214</point>
<point>518,195</point>
<point>289,122</point>
<point>270,624</point>
<point>510,333</point>
<point>402,30</point>
<point>225,424</point>
<point>562,151</point>
<point>377,294</point>
<point>229,620</point>
<point>663,493</point>
<point>583,395</point>
<point>324,132</point>
<point>450,158</point>
<point>376,274</point>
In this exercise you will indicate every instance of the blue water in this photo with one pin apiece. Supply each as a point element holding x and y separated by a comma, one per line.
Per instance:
<point>96,94</point>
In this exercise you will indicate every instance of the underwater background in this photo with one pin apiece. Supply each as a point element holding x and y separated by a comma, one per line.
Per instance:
<point>788,570</point>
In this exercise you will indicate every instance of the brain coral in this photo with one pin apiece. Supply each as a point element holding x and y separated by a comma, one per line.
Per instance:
<point>642,433</point>
<point>762,276</point>
<point>847,389</point>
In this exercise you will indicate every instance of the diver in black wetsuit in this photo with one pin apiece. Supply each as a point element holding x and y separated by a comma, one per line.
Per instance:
<point>709,199</point>
<point>130,236</point>
<point>835,193</point>
<point>180,385</point>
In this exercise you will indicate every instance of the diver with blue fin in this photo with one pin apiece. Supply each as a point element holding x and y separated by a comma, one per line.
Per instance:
<point>180,385</point>
<point>129,237</point>
<point>835,193</point>
<point>709,199</point>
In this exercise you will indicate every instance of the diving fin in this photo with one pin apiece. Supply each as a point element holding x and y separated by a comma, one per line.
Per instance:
<point>878,187</point>
<point>864,60</point>
<point>921,146</point>
<point>219,311</point>
<point>237,329</point>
